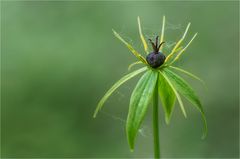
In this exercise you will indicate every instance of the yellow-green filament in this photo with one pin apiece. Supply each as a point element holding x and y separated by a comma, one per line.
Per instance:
<point>178,43</point>
<point>139,56</point>
<point>142,37</point>
<point>180,53</point>
<point>162,32</point>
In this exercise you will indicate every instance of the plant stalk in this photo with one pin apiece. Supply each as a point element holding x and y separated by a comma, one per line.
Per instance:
<point>155,124</point>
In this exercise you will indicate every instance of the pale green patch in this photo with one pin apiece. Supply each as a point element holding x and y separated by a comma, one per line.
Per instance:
<point>140,99</point>
<point>115,86</point>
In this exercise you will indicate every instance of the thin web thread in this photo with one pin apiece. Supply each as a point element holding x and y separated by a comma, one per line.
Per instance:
<point>149,34</point>
<point>144,131</point>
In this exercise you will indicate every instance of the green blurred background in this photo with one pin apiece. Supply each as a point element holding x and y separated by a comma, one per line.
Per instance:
<point>59,58</point>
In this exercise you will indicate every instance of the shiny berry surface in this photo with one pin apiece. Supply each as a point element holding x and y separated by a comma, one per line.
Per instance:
<point>155,59</point>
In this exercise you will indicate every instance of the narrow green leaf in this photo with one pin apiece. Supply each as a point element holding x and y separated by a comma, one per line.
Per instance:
<point>115,86</point>
<point>189,74</point>
<point>167,97</point>
<point>175,91</point>
<point>184,88</point>
<point>140,98</point>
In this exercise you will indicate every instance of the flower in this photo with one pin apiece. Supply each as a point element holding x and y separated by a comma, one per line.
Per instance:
<point>158,76</point>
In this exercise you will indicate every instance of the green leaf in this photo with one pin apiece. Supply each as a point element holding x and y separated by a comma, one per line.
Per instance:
<point>175,91</point>
<point>167,97</point>
<point>115,86</point>
<point>140,98</point>
<point>183,87</point>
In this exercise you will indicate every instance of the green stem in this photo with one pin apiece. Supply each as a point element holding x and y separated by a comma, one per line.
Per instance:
<point>155,124</point>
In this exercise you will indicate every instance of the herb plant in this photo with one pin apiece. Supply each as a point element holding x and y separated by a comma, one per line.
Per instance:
<point>159,80</point>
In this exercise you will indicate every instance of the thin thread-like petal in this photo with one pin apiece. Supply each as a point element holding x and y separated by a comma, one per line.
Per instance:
<point>162,32</point>
<point>178,43</point>
<point>133,64</point>
<point>139,56</point>
<point>180,53</point>
<point>141,36</point>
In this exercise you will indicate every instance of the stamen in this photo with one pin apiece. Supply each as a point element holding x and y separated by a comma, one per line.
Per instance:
<point>153,46</point>
<point>160,45</point>
<point>156,42</point>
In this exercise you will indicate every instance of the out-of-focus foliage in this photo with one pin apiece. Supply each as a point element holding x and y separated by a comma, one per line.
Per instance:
<point>58,58</point>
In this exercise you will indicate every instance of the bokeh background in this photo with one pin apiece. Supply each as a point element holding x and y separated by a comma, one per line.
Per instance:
<point>59,58</point>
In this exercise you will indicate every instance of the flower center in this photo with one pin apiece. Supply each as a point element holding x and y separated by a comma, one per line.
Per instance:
<point>155,58</point>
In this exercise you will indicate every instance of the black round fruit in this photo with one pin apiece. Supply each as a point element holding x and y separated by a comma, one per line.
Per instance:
<point>155,59</point>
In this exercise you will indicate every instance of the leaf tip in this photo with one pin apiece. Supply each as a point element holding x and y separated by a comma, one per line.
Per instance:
<point>95,115</point>
<point>114,32</point>
<point>185,115</point>
<point>130,139</point>
<point>167,121</point>
<point>204,136</point>
<point>205,132</point>
<point>97,110</point>
<point>138,18</point>
<point>130,136</point>
<point>131,145</point>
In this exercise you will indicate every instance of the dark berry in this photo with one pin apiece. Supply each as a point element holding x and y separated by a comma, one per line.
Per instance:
<point>155,59</point>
